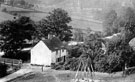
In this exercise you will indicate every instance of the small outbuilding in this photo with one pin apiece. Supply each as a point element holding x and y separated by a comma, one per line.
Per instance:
<point>47,52</point>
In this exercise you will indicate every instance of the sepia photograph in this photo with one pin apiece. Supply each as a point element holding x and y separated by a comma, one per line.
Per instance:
<point>67,40</point>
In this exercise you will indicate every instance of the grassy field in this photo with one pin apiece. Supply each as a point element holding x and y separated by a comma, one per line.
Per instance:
<point>84,3</point>
<point>66,76</point>
<point>5,16</point>
<point>80,19</point>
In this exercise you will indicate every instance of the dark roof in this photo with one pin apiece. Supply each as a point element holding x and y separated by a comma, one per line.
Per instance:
<point>54,43</point>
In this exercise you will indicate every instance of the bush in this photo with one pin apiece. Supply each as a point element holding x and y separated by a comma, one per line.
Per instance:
<point>75,51</point>
<point>69,64</point>
<point>3,70</point>
<point>59,67</point>
<point>24,56</point>
<point>4,10</point>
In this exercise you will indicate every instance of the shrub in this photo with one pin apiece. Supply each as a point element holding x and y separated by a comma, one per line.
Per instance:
<point>74,51</point>
<point>3,70</point>
<point>4,10</point>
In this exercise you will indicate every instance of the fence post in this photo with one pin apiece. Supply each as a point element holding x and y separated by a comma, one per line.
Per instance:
<point>20,63</point>
<point>42,68</point>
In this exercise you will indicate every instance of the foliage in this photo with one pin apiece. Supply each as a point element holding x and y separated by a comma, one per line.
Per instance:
<point>78,35</point>
<point>3,70</point>
<point>74,51</point>
<point>56,22</point>
<point>22,2</point>
<point>101,64</point>
<point>91,36</point>
<point>92,50</point>
<point>70,64</point>
<point>23,55</point>
<point>88,51</point>
<point>120,53</point>
<point>109,21</point>
<point>14,35</point>
<point>115,22</point>
<point>4,10</point>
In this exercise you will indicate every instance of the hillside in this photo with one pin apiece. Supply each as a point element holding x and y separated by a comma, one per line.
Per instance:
<point>83,3</point>
<point>89,9</point>
<point>5,16</point>
<point>84,14</point>
<point>45,2</point>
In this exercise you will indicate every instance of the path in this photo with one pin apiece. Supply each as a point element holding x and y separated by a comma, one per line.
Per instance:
<point>15,75</point>
<point>25,69</point>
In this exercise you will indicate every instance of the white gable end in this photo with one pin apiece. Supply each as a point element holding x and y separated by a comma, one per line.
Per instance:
<point>41,54</point>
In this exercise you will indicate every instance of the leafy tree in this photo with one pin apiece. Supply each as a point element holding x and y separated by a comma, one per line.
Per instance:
<point>93,35</point>
<point>72,64</point>
<point>120,53</point>
<point>14,35</point>
<point>57,23</point>
<point>109,21</point>
<point>91,50</point>
<point>114,23</point>
<point>11,2</point>
<point>74,51</point>
<point>22,2</point>
<point>89,53</point>
<point>78,35</point>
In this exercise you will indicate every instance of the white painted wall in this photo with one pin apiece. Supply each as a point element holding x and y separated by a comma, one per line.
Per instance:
<point>58,54</point>
<point>40,54</point>
<point>63,52</point>
<point>53,58</point>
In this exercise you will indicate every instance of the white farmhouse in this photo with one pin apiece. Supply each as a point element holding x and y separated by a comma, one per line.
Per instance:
<point>47,52</point>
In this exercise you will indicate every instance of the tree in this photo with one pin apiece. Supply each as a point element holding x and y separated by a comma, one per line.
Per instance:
<point>109,21</point>
<point>88,53</point>
<point>22,2</point>
<point>57,23</point>
<point>91,50</point>
<point>115,22</point>
<point>78,35</point>
<point>11,2</point>
<point>3,70</point>
<point>74,51</point>
<point>120,53</point>
<point>14,34</point>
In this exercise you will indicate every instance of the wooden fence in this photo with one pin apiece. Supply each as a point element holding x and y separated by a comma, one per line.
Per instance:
<point>12,62</point>
<point>129,71</point>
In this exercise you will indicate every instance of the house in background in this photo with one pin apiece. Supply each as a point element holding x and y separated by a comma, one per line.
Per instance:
<point>73,43</point>
<point>47,52</point>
